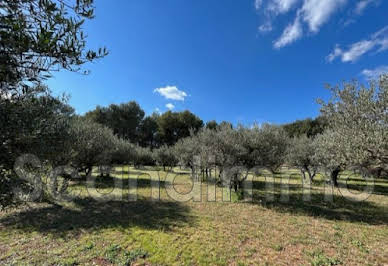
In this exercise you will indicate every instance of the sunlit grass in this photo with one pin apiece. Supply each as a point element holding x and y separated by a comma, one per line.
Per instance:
<point>281,229</point>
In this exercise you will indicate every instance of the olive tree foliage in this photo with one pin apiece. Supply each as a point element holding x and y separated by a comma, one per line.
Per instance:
<point>242,150</point>
<point>358,119</point>
<point>143,157</point>
<point>165,156</point>
<point>197,152</point>
<point>273,149</point>
<point>38,125</point>
<point>38,37</point>
<point>236,148</point>
<point>185,151</point>
<point>93,145</point>
<point>209,147</point>
<point>328,154</point>
<point>262,147</point>
<point>124,152</point>
<point>205,158</point>
<point>41,36</point>
<point>301,154</point>
<point>235,152</point>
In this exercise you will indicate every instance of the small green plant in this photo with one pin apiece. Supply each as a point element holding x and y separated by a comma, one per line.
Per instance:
<point>278,247</point>
<point>360,245</point>
<point>133,255</point>
<point>320,259</point>
<point>112,252</point>
<point>69,262</point>
<point>237,196</point>
<point>89,246</point>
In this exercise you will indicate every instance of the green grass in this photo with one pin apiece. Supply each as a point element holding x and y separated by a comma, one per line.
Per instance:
<point>277,227</point>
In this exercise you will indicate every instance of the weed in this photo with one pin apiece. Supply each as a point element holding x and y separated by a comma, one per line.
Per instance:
<point>320,259</point>
<point>133,255</point>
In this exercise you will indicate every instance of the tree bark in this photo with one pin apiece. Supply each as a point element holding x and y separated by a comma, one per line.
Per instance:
<point>311,175</point>
<point>334,176</point>
<point>303,175</point>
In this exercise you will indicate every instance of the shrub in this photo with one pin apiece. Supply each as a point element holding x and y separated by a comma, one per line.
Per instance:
<point>165,156</point>
<point>93,145</point>
<point>300,154</point>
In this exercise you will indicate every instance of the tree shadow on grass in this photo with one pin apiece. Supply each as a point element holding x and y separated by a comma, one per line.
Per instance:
<point>377,188</point>
<point>143,181</point>
<point>336,208</point>
<point>89,214</point>
<point>111,182</point>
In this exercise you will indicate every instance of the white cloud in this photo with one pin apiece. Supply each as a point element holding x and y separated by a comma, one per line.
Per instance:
<point>383,44</point>
<point>272,9</point>
<point>170,106</point>
<point>313,13</point>
<point>373,74</point>
<point>358,49</point>
<point>363,4</point>
<point>267,27</point>
<point>381,38</point>
<point>359,9</point>
<point>317,12</point>
<point>290,34</point>
<point>172,93</point>
<point>281,6</point>
<point>354,52</point>
<point>258,4</point>
<point>333,55</point>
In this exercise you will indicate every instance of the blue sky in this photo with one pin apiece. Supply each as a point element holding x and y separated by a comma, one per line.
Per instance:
<point>241,61</point>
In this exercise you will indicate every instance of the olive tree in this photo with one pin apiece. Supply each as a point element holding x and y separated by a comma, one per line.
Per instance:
<point>143,157</point>
<point>36,125</point>
<point>329,154</point>
<point>165,156</point>
<point>124,152</point>
<point>93,145</point>
<point>38,37</point>
<point>273,149</point>
<point>205,158</point>
<point>228,148</point>
<point>185,151</point>
<point>358,119</point>
<point>209,147</point>
<point>300,154</point>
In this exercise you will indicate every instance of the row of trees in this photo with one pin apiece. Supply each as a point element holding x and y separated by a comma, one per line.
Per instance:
<point>351,134</point>
<point>38,37</point>
<point>128,121</point>
<point>355,138</point>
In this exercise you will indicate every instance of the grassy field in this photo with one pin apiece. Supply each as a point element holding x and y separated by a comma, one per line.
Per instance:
<point>277,228</point>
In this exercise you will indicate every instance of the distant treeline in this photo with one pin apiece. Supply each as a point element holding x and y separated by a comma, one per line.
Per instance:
<point>128,121</point>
